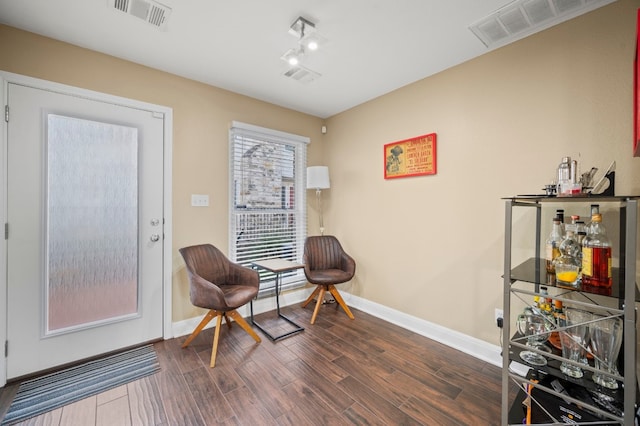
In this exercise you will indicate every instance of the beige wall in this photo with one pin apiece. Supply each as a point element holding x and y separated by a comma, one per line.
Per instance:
<point>433,246</point>
<point>201,116</point>
<point>428,246</point>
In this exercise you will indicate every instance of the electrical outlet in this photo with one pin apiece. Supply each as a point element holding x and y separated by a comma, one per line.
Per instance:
<point>498,317</point>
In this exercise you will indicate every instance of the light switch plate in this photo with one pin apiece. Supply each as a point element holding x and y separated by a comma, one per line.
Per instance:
<point>199,200</point>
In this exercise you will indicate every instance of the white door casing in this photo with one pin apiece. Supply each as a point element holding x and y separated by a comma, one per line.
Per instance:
<point>24,203</point>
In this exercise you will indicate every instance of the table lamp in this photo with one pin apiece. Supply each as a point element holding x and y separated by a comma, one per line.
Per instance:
<point>318,179</point>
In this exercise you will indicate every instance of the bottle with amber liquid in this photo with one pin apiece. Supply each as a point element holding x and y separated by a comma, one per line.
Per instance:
<point>596,255</point>
<point>557,312</point>
<point>595,209</point>
<point>552,246</point>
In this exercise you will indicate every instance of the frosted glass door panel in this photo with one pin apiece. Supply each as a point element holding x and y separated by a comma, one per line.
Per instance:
<point>91,223</point>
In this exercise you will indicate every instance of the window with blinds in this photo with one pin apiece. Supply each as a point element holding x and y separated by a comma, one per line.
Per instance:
<point>267,199</point>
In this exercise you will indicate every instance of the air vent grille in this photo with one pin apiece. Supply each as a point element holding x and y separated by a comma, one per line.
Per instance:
<point>302,74</point>
<point>521,18</point>
<point>152,12</point>
<point>156,16</point>
<point>122,5</point>
<point>538,11</point>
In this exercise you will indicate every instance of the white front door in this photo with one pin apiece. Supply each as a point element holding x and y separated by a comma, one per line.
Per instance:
<point>85,228</point>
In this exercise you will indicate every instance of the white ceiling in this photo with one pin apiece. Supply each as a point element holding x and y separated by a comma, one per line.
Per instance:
<point>374,46</point>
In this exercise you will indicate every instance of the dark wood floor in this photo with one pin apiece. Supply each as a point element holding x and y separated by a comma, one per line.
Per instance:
<point>336,372</point>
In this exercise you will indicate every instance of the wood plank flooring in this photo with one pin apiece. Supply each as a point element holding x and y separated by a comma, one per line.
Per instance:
<point>337,372</point>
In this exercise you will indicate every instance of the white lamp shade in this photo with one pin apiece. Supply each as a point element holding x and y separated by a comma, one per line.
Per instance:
<point>318,177</point>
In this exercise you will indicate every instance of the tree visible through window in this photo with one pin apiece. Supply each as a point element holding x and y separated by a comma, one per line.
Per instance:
<point>268,199</point>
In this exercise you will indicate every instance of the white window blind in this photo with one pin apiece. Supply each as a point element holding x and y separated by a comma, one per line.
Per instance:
<point>267,199</point>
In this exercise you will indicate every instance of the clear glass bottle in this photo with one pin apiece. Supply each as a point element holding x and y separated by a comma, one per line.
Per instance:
<point>564,175</point>
<point>552,245</point>
<point>596,255</point>
<point>568,264</point>
<point>574,219</point>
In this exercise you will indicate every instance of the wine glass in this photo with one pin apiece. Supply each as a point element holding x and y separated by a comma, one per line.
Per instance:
<point>606,338</point>
<point>574,339</point>
<point>536,328</point>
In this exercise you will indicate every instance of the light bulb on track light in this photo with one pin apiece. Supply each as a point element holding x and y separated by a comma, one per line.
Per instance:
<point>292,56</point>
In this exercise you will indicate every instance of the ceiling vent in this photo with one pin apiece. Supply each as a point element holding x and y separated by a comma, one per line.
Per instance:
<point>150,11</point>
<point>302,74</point>
<point>522,18</point>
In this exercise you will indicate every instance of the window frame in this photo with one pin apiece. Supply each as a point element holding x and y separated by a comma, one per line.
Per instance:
<point>237,131</point>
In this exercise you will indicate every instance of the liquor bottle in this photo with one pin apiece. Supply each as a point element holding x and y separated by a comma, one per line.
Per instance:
<point>595,209</point>
<point>564,175</point>
<point>575,220</point>
<point>560,214</point>
<point>536,305</point>
<point>596,255</point>
<point>544,303</point>
<point>552,246</point>
<point>557,310</point>
<point>581,231</point>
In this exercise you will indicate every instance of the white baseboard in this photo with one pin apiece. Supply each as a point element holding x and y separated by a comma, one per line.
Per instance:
<point>462,342</point>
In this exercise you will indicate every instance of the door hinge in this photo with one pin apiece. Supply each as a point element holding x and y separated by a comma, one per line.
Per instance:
<point>6,113</point>
<point>6,231</point>
<point>6,348</point>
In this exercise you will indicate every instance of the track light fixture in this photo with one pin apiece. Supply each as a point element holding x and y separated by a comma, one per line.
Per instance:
<point>309,40</point>
<point>302,27</point>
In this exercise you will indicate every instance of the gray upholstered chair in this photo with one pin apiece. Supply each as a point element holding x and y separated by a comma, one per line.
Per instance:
<point>325,265</point>
<point>217,284</point>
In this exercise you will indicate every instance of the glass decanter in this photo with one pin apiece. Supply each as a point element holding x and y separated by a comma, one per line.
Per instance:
<point>568,264</point>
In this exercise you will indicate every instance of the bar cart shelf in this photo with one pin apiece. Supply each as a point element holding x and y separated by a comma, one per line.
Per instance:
<point>523,281</point>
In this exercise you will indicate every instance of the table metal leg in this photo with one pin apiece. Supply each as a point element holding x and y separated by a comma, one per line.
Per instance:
<point>269,335</point>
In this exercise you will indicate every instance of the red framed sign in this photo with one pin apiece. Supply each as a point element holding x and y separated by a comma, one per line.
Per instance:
<point>410,157</point>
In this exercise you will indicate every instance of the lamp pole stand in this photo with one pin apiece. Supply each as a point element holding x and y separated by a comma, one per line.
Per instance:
<point>319,201</point>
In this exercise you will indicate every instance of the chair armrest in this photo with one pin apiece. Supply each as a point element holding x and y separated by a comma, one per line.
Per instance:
<point>305,262</point>
<point>239,274</point>
<point>347,263</point>
<point>205,294</point>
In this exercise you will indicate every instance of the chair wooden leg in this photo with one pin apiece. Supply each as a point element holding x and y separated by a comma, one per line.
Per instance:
<point>310,298</point>
<point>336,295</point>
<point>245,326</point>
<point>216,338</point>
<point>226,319</point>
<point>318,304</point>
<point>212,313</point>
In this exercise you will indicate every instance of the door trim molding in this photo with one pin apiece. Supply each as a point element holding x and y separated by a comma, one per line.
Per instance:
<point>7,78</point>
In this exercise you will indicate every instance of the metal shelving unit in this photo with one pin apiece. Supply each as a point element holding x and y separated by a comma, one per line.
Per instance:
<point>523,282</point>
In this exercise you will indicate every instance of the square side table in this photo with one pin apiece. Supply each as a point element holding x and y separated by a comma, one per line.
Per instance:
<point>278,267</point>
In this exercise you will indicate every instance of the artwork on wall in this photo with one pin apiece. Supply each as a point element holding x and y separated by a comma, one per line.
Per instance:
<point>410,157</point>
<point>636,93</point>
